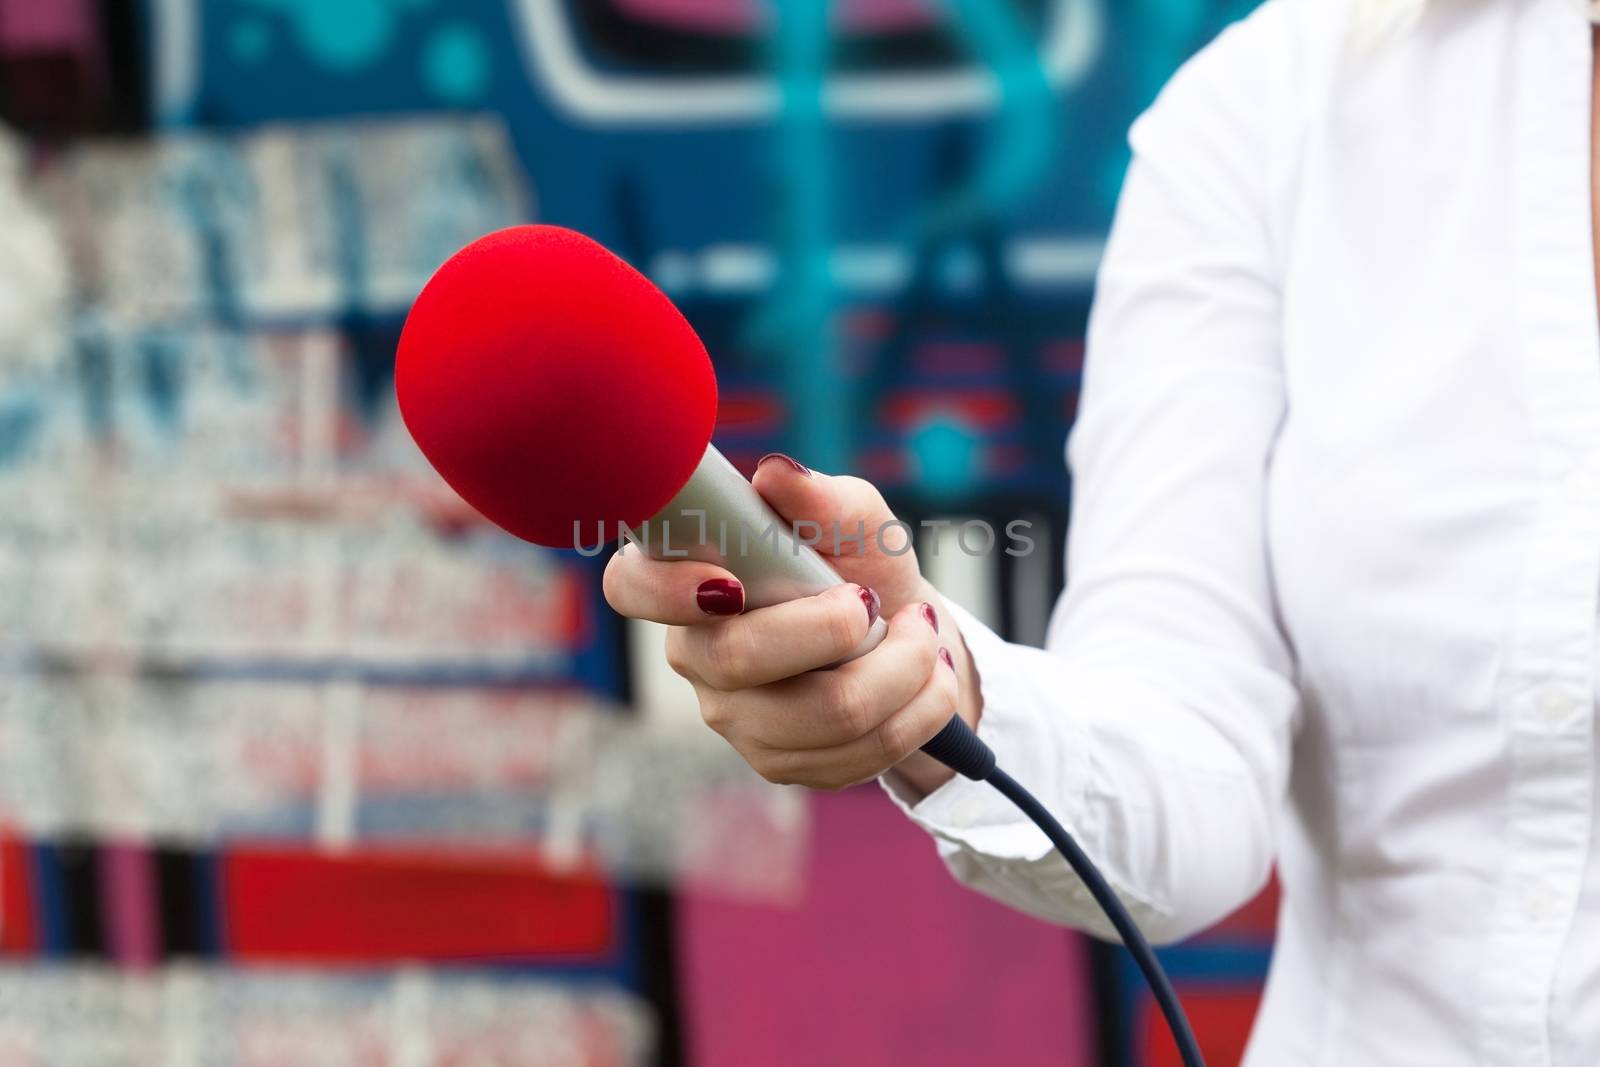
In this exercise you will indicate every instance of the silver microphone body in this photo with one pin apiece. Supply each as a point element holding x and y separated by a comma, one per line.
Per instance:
<point>718,517</point>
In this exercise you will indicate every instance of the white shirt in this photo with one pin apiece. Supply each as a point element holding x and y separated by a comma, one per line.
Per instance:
<point>1335,560</point>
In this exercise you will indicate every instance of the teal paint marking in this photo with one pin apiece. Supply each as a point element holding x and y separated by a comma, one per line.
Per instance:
<point>1023,137</point>
<point>22,416</point>
<point>456,65</point>
<point>796,322</point>
<point>946,457</point>
<point>341,35</point>
<point>249,40</point>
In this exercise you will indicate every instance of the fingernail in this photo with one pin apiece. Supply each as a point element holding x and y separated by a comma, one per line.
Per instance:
<point>720,596</point>
<point>931,617</point>
<point>869,597</point>
<point>790,460</point>
<point>944,654</point>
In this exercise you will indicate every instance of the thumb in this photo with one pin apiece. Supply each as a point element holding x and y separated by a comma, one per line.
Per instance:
<point>850,523</point>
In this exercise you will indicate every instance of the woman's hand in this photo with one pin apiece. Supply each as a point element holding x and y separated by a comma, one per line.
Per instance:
<point>757,674</point>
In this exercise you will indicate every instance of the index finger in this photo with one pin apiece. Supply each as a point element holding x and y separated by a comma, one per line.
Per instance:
<point>678,592</point>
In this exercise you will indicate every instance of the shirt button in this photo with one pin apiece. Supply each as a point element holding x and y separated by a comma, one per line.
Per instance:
<point>1540,902</point>
<point>1557,705</point>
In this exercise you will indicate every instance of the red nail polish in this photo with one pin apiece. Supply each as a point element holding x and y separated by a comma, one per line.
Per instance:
<point>931,617</point>
<point>720,596</point>
<point>869,597</point>
<point>790,460</point>
<point>944,654</point>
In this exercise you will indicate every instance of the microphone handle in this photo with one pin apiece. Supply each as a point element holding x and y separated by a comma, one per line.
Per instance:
<point>719,517</point>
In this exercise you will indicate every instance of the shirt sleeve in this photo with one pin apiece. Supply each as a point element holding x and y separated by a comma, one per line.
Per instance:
<point>1156,723</point>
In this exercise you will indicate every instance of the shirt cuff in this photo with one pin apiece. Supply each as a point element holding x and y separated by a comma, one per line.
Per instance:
<point>1033,740</point>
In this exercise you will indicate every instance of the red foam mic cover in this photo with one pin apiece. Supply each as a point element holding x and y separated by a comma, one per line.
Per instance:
<point>551,383</point>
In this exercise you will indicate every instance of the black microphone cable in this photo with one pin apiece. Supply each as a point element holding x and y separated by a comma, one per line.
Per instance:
<point>957,747</point>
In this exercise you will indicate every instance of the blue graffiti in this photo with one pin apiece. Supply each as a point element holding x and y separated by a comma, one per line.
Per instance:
<point>456,65</point>
<point>794,322</point>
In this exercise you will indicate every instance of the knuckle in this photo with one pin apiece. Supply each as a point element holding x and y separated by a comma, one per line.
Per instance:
<point>859,489</point>
<point>783,767</point>
<point>677,651</point>
<point>715,711</point>
<point>843,622</point>
<point>728,656</point>
<point>779,768</point>
<point>894,739</point>
<point>851,705</point>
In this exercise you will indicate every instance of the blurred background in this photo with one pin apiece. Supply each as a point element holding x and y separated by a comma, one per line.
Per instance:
<point>301,763</point>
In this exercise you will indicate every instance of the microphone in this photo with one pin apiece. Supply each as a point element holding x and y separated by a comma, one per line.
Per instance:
<point>563,396</point>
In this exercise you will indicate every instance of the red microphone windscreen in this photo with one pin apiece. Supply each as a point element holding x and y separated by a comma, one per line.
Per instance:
<point>550,383</point>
